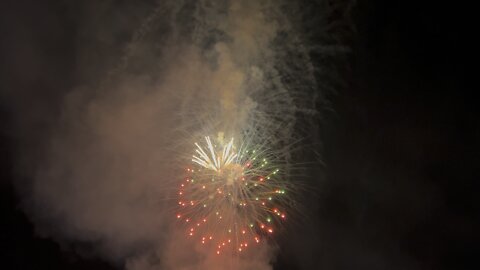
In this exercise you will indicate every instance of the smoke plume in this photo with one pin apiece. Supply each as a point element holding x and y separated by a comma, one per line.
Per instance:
<point>150,79</point>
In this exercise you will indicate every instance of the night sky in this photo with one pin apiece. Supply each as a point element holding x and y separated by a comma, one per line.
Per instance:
<point>399,140</point>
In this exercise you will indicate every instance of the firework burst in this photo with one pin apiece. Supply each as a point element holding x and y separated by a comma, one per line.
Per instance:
<point>231,198</point>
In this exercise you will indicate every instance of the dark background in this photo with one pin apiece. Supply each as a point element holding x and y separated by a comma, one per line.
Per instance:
<point>400,145</point>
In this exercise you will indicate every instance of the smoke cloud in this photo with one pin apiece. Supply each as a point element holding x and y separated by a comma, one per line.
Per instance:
<point>150,79</point>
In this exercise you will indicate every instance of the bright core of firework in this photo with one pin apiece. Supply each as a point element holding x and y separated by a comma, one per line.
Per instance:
<point>231,198</point>
<point>213,161</point>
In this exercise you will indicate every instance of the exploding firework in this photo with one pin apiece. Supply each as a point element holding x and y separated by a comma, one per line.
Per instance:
<point>231,198</point>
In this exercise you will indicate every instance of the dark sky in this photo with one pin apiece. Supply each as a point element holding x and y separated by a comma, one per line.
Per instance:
<point>401,144</point>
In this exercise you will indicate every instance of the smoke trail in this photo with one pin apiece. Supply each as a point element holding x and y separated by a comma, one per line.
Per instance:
<point>192,68</point>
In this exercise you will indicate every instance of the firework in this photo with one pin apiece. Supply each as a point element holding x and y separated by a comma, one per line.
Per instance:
<point>231,198</point>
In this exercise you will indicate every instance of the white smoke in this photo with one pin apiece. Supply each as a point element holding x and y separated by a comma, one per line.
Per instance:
<point>192,68</point>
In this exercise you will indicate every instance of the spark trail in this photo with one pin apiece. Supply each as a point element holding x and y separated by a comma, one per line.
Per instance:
<point>231,198</point>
